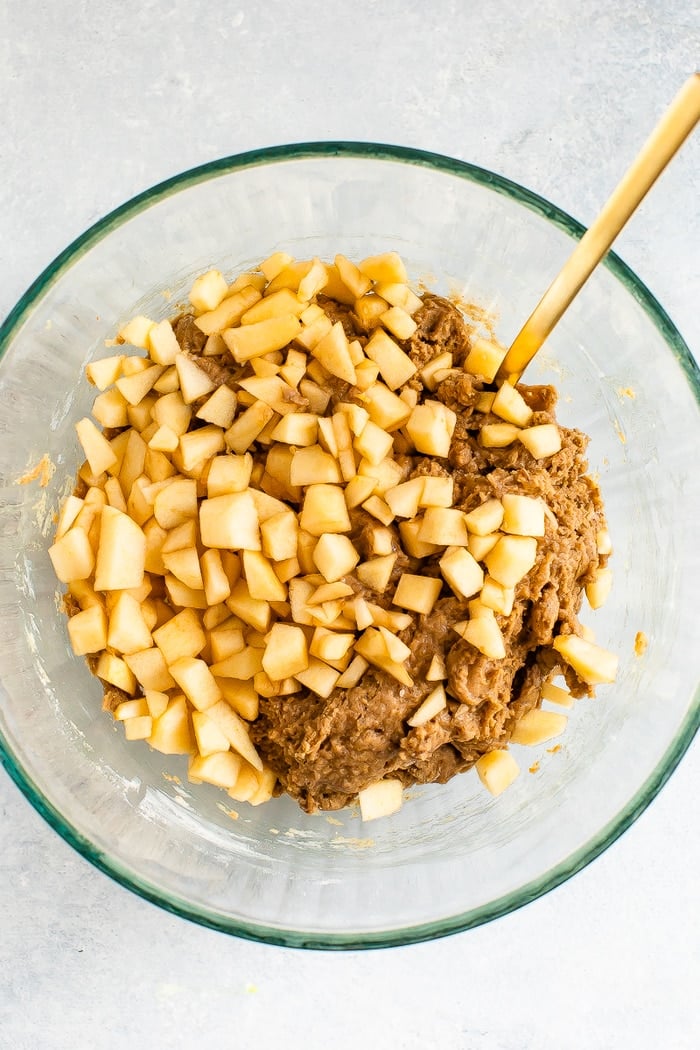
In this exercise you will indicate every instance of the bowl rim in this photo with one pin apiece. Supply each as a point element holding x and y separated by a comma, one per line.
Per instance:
<point>579,858</point>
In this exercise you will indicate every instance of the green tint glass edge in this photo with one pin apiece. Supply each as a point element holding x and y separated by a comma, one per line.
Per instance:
<point>577,860</point>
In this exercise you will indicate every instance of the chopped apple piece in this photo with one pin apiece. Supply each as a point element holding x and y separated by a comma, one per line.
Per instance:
<point>437,672</point>
<point>297,428</point>
<point>110,410</point>
<point>121,553</point>
<point>171,411</point>
<point>418,593</point>
<point>87,630</point>
<point>537,726</point>
<point>128,631</point>
<point>176,503</point>
<point>444,527</point>
<point>372,646</point>
<point>114,670</point>
<point>229,312</point>
<point>430,427</point>
<point>556,695</point>
<point>495,596</point>
<point>434,703</point>
<point>150,669</point>
<point>196,681</point>
<point>511,559</point>
<point>464,575</point>
<point>131,709</point>
<point>485,519</point>
<point>256,340</point>
<point>484,401</point>
<point>510,405</point>
<point>410,539</point>
<point>164,440</point>
<point>72,556</point>
<point>134,388</point>
<point>286,653</point>
<point>385,408</point>
<point>253,611</point>
<point>333,352</point>
<point>497,770</point>
<point>208,290</point>
<point>334,556</point>
<point>235,731</point>
<point>387,267</point>
<point>379,509</point>
<point>97,449</point>
<point>275,264</point>
<point>376,573</point>
<point>230,522</point>
<point>171,732</point>
<point>484,358</point>
<point>229,474</point>
<point>312,465</point>
<point>220,408</point>
<point>380,799</point>
<point>104,372</point>
<point>399,322</point>
<point>373,443</point>
<point>262,582</point>
<point>139,728</point>
<point>598,591</point>
<point>163,346</point>
<point>201,445</point>
<point>399,294</point>
<point>355,281</point>
<point>313,282</point>
<point>220,768</point>
<point>318,677</point>
<point>249,426</point>
<point>180,636</point>
<point>522,515</point>
<point>479,546</point>
<point>324,510</point>
<point>280,304</point>
<point>591,663</point>
<point>185,565</point>
<point>603,542</point>
<point>136,332</point>
<point>395,366</point>
<point>280,535</point>
<point>498,435</point>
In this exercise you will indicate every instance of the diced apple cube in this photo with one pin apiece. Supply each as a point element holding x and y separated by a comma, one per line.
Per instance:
<point>376,572</point>
<point>497,770</point>
<point>185,565</point>
<point>510,405</point>
<point>395,366</point>
<point>229,474</point>
<point>286,653</point>
<point>131,709</point>
<point>297,428</point>
<point>110,410</point>
<point>220,408</point>
<point>97,449</point>
<point>176,503</point>
<point>312,465</point>
<point>261,579</point>
<point>381,799</point>
<point>379,509</point>
<point>253,611</point>
<point>171,411</point>
<point>434,703</point>
<point>372,646</point>
<point>256,340</point>
<point>498,435</point>
<point>591,663</point>
<point>411,542</point>
<point>235,731</point>
<point>444,526</point>
<point>511,559</point>
<point>333,352</point>
<point>139,728</point>
<point>104,372</point>
<point>279,304</point>
<point>134,388</point>
<point>373,443</point>
<point>437,672</point>
<point>537,726</point>
<point>522,515</point>
<point>128,631</point>
<point>171,732</point>
<point>156,702</point>
<point>318,677</point>
<point>249,426</point>
<point>485,519</point>
<point>556,695</point>
<point>598,591</point>
<point>464,575</point>
<point>196,681</point>
<point>229,311</point>
<point>150,669</point>
<point>230,522</point>
<point>387,268</point>
<point>430,427</point>
<point>164,440</point>
<point>114,670</point>
<point>121,554</point>
<point>163,346</point>
<point>208,290</point>
<point>136,332</point>
<point>399,294</point>
<point>180,636</point>
<point>399,322</point>
<point>484,358</point>
<point>324,510</point>
<point>418,593</point>
<point>334,556</point>
<point>221,768</point>
<point>495,596</point>
<point>87,630</point>
<point>72,556</point>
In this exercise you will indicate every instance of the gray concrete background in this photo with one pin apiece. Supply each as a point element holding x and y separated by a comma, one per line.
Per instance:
<point>99,101</point>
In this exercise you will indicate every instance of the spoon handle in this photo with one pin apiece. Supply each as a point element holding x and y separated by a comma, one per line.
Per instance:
<point>666,139</point>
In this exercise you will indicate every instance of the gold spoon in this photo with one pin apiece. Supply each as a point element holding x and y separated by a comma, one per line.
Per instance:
<point>664,142</point>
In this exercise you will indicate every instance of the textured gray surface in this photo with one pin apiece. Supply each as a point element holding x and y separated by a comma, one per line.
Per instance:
<point>100,101</point>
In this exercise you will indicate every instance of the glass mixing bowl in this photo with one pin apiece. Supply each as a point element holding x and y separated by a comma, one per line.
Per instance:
<point>453,857</point>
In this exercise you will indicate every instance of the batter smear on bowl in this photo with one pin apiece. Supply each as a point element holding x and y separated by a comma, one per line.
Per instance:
<point>320,549</point>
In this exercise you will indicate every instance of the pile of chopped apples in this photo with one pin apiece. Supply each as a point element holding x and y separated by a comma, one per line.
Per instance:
<point>210,554</point>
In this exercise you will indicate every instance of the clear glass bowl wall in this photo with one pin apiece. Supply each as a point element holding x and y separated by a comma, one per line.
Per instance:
<point>453,857</point>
